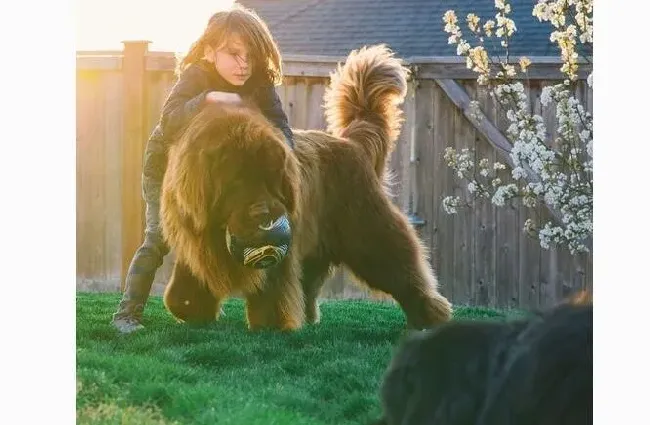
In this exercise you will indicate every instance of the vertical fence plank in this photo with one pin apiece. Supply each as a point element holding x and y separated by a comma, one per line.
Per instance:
<point>315,115</point>
<point>133,68</point>
<point>484,224</point>
<point>405,146</point>
<point>89,180</point>
<point>424,157</point>
<point>529,250</point>
<point>112,177</point>
<point>443,185</point>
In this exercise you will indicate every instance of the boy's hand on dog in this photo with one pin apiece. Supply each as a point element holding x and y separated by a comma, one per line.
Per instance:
<point>221,96</point>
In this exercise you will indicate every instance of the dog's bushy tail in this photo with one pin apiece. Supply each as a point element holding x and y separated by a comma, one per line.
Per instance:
<point>362,102</point>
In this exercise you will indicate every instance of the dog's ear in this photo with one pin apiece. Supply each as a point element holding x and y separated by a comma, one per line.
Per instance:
<point>187,177</point>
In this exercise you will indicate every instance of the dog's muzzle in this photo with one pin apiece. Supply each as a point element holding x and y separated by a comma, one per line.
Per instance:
<point>267,248</point>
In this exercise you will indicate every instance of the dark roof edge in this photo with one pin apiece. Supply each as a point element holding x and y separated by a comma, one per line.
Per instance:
<point>423,59</point>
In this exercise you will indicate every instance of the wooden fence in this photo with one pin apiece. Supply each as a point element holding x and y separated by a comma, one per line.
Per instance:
<point>482,257</point>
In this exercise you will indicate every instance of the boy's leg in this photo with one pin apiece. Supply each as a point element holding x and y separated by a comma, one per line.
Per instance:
<point>142,270</point>
<point>149,256</point>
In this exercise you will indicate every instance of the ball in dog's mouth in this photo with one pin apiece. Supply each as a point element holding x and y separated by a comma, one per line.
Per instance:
<point>266,248</point>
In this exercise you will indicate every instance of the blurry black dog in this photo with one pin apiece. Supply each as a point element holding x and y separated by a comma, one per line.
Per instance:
<point>535,371</point>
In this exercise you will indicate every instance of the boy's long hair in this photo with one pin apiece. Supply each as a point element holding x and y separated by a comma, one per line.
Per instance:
<point>264,53</point>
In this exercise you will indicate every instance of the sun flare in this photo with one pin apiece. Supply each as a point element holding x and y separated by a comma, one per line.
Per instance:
<point>169,25</point>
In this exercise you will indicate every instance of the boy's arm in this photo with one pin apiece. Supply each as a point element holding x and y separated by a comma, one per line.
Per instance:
<point>271,106</point>
<point>184,101</point>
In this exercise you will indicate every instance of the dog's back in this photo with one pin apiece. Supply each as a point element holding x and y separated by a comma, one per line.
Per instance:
<point>548,378</point>
<point>536,371</point>
<point>440,375</point>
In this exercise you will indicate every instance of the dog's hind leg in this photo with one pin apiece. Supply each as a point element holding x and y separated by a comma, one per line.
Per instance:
<point>382,249</point>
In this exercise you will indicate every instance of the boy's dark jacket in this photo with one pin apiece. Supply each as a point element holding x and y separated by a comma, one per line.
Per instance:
<point>185,100</point>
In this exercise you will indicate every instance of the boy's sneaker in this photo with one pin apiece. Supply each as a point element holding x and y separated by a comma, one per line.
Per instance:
<point>128,320</point>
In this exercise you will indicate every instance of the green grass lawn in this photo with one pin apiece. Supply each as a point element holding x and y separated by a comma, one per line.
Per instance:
<point>223,374</point>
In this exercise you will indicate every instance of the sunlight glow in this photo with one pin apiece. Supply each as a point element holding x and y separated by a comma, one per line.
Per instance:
<point>170,25</point>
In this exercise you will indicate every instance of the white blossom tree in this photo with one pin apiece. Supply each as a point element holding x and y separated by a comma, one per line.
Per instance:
<point>557,173</point>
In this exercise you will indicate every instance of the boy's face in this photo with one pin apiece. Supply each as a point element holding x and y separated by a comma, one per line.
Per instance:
<point>232,61</point>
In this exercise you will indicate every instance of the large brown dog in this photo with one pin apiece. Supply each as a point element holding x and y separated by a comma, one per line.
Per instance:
<point>231,168</point>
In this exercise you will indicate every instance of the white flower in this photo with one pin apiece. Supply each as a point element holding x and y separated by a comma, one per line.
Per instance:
<point>518,173</point>
<point>488,26</point>
<point>483,80</point>
<point>463,47</point>
<point>450,204</point>
<point>472,22</point>
<point>541,11</point>
<point>453,39</point>
<point>546,96</point>
<point>529,226</point>
<point>503,193</point>
<point>475,109</point>
<point>450,17</point>
<point>529,201</point>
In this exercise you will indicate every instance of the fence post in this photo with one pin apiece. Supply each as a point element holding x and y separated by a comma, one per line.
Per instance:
<point>133,74</point>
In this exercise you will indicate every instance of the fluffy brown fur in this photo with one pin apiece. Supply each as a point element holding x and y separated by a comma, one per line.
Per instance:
<point>231,163</point>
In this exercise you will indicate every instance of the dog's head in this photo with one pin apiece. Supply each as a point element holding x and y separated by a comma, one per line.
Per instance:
<point>231,172</point>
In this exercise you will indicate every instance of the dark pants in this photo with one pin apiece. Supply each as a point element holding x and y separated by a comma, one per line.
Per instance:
<point>149,256</point>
